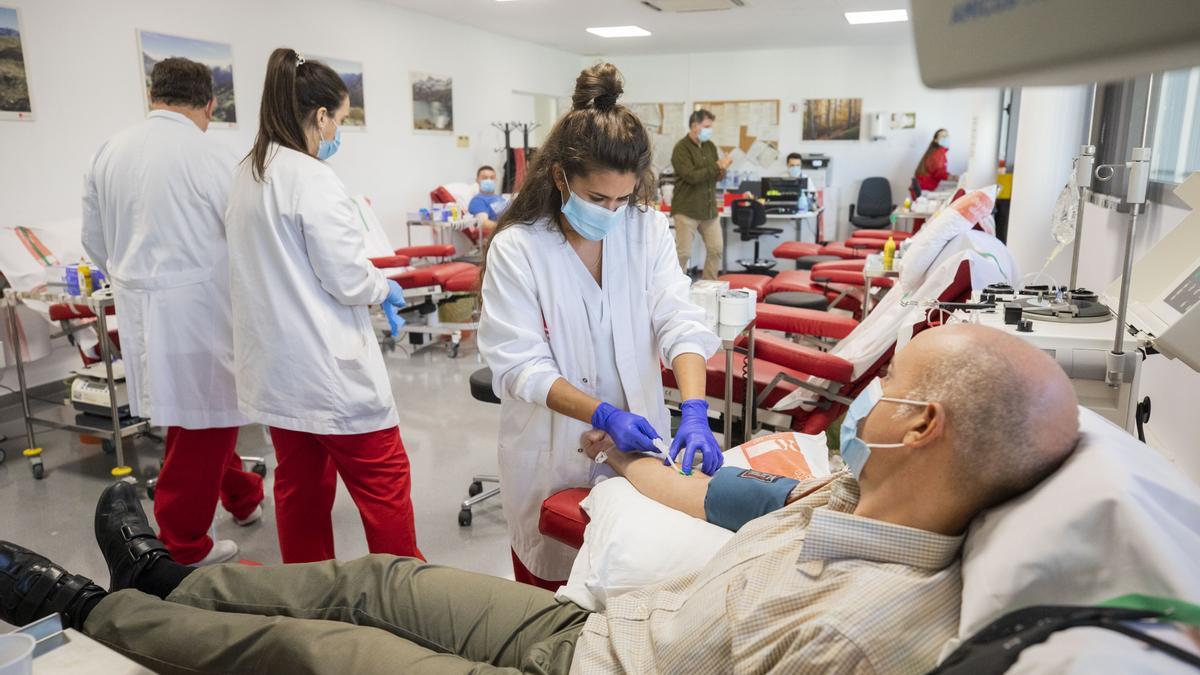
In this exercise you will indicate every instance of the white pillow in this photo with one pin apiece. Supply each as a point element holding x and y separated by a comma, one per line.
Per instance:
<point>1116,518</point>
<point>633,541</point>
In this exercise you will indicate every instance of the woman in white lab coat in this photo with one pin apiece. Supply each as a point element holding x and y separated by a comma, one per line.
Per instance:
<point>307,360</point>
<point>582,299</point>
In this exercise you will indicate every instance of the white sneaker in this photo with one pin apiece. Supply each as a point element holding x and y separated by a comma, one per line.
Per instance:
<point>221,551</point>
<point>254,517</point>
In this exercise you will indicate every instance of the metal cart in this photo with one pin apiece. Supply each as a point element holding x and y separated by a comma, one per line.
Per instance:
<point>64,416</point>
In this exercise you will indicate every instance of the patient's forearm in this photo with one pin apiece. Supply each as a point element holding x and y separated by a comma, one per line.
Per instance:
<point>662,483</point>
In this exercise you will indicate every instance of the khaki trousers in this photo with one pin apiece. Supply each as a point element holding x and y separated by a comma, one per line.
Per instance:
<point>378,614</point>
<point>710,232</point>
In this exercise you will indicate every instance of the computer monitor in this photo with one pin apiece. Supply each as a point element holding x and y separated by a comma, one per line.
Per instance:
<point>783,188</point>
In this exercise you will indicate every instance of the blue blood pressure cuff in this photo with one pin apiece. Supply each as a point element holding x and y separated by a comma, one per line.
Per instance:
<point>737,496</point>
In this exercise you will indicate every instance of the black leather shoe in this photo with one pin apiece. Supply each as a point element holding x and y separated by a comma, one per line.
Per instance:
<point>32,587</point>
<point>128,543</point>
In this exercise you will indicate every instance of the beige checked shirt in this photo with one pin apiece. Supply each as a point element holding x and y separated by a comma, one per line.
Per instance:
<point>810,588</point>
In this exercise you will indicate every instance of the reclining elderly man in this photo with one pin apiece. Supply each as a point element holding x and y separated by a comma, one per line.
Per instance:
<point>853,573</point>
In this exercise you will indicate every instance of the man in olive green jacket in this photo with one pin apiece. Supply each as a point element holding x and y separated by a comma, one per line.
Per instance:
<point>694,204</point>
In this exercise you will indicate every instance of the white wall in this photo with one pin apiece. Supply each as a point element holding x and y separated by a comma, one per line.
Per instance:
<point>887,80</point>
<point>84,71</point>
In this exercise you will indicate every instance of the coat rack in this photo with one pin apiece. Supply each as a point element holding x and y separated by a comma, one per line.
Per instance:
<point>514,161</point>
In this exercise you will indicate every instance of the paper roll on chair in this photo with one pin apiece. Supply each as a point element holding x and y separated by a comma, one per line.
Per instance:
<point>737,307</point>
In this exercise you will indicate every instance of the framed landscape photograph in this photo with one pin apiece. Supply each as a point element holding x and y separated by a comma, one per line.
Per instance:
<point>351,73</point>
<point>433,102</point>
<point>15,102</point>
<point>832,119</point>
<point>218,56</point>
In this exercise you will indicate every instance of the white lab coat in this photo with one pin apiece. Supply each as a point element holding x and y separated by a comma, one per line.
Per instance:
<point>534,330</point>
<point>153,204</point>
<point>306,354</point>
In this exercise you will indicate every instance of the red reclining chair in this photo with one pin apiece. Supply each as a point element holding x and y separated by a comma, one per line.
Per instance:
<point>66,313</point>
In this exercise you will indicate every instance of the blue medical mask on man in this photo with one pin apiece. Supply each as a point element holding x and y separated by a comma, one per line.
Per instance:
<point>705,134</point>
<point>327,148</point>
<point>795,170</point>
<point>487,186</point>
<point>856,451</point>
<point>592,221</point>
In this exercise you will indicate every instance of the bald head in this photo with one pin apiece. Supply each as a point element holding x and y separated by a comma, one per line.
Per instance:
<point>1011,413</point>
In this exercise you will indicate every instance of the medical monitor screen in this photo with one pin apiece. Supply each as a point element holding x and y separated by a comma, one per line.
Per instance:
<point>1186,294</point>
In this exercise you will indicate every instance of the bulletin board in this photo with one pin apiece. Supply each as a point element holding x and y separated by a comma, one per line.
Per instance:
<point>748,130</point>
<point>666,125</point>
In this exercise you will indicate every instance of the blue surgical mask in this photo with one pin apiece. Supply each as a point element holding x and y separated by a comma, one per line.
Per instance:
<point>487,185</point>
<point>592,221</point>
<point>795,170</point>
<point>944,141</point>
<point>326,149</point>
<point>706,134</point>
<point>855,450</point>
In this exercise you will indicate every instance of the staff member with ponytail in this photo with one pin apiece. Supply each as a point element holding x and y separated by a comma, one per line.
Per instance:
<point>582,299</point>
<point>307,361</point>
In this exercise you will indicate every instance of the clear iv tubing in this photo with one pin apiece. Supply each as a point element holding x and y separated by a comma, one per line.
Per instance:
<point>1034,276</point>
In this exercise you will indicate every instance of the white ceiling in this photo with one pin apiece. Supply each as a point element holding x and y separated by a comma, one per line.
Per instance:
<point>762,24</point>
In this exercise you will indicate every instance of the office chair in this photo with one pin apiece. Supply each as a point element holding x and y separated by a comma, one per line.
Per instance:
<point>481,390</point>
<point>749,216</point>
<point>874,204</point>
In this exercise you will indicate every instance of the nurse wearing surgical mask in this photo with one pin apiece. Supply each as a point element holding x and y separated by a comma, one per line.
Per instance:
<point>583,299</point>
<point>932,170</point>
<point>307,362</point>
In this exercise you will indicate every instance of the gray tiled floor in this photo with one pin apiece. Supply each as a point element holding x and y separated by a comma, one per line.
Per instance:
<point>449,436</point>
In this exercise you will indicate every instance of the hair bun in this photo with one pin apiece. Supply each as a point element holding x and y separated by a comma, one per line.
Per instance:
<point>597,87</point>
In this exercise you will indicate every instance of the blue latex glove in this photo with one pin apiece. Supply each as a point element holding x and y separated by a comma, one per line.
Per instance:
<point>631,433</point>
<point>391,307</point>
<point>694,435</point>
<point>395,295</point>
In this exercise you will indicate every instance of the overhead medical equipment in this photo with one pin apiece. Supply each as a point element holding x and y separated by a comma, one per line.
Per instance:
<point>1119,40</point>
<point>1062,42</point>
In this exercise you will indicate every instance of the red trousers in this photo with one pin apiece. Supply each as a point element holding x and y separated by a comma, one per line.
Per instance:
<point>200,467</point>
<point>374,468</point>
<point>524,576</point>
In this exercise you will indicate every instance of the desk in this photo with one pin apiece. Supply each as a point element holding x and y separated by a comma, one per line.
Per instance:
<point>729,336</point>
<point>772,220</point>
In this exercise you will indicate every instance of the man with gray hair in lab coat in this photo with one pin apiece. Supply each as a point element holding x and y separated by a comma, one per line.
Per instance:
<point>153,221</point>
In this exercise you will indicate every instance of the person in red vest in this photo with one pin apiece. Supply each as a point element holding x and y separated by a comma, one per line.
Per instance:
<point>931,170</point>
